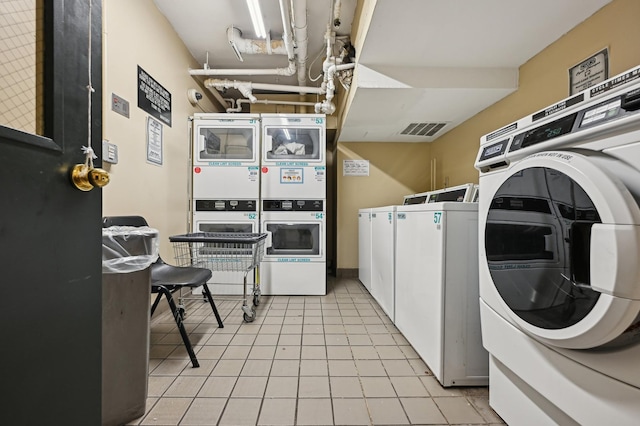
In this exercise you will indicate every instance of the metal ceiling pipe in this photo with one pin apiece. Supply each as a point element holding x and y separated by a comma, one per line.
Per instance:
<point>301,37</point>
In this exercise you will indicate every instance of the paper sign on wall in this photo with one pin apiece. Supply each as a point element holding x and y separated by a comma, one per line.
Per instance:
<point>355,168</point>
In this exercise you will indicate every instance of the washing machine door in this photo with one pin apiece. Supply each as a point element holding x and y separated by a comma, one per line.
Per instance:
<point>562,244</point>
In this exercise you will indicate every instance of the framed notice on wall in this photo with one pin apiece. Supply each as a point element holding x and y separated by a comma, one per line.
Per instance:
<point>589,72</point>
<point>153,98</point>
<point>355,168</point>
<point>154,141</point>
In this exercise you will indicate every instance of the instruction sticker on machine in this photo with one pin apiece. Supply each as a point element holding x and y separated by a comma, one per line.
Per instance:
<point>290,175</point>
<point>321,174</point>
<point>253,173</point>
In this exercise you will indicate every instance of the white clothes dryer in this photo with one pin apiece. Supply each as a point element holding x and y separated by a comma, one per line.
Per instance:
<point>559,275</point>
<point>294,157</point>
<point>225,156</point>
<point>295,260</point>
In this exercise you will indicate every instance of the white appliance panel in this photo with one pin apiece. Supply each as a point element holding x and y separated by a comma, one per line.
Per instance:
<point>295,181</point>
<point>383,225</point>
<point>364,247</point>
<point>419,291</point>
<point>226,182</point>
<point>437,289</point>
<point>563,389</point>
<point>293,278</point>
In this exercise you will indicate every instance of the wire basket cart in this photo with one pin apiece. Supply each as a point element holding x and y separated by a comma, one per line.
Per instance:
<point>224,251</point>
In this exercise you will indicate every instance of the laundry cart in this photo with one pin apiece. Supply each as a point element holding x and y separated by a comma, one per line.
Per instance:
<point>224,251</point>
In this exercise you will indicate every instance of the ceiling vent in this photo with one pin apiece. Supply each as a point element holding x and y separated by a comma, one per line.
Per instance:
<point>423,129</point>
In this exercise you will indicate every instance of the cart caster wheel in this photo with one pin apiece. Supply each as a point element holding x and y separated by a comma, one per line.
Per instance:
<point>256,300</point>
<point>249,318</point>
<point>181,313</point>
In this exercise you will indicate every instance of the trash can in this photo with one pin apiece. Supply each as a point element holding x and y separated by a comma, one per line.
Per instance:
<point>127,253</point>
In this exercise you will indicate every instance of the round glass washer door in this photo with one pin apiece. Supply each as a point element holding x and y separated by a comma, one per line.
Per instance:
<point>562,239</point>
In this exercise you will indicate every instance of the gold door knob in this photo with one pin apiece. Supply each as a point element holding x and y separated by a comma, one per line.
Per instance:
<point>85,179</point>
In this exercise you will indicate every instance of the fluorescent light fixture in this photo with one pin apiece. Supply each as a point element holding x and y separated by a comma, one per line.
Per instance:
<point>256,18</point>
<point>286,134</point>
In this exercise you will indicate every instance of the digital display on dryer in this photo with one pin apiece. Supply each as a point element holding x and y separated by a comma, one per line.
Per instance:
<point>543,133</point>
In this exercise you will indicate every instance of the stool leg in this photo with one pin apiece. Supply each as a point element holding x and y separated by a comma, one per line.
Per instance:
<point>183,332</point>
<point>155,303</point>
<point>207,293</point>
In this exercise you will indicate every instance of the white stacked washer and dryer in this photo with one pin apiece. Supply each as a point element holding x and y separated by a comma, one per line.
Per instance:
<point>559,244</point>
<point>264,173</point>
<point>293,198</point>
<point>225,182</point>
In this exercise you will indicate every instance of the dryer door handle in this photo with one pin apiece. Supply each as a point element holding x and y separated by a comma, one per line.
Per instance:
<point>615,266</point>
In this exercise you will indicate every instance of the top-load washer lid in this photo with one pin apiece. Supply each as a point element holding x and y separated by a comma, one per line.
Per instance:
<point>562,243</point>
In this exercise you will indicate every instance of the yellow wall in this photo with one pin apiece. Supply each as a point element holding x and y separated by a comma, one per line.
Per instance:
<point>136,33</point>
<point>395,169</point>
<point>543,80</point>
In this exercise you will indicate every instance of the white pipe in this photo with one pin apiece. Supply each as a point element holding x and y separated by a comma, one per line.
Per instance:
<point>219,98</point>
<point>286,34</point>
<point>266,102</point>
<point>253,47</point>
<point>235,84</point>
<point>289,71</point>
<point>337,6</point>
<point>301,38</point>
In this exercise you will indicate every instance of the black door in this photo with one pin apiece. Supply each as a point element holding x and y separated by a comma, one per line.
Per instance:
<point>50,234</point>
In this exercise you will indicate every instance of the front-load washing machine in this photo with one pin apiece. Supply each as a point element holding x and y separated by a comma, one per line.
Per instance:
<point>437,289</point>
<point>559,245</point>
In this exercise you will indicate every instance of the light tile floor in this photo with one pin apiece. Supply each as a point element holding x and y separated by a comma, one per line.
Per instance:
<point>305,360</point>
